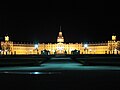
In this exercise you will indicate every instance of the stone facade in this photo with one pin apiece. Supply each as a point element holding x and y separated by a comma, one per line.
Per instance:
<point>60,47</point>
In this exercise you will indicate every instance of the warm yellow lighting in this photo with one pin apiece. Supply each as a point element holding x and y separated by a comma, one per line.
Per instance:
<point>71,49</point>
<point>6,38</point>
<point>53,50</point>
<point>60,34</point>
<point>60,47</point>
<point>60,37</point>
<point>113,37</point>
<point>90,50</point>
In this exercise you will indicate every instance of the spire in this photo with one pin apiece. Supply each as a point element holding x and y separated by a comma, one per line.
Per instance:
<point>60,38</point>
<point>60,28</point>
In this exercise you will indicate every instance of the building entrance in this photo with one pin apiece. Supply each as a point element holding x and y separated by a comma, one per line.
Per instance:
<point>60,48</point>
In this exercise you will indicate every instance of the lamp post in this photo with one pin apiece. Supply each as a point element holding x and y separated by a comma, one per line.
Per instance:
<point>36,47</point>
<point>0,52</point>
<point>86,48</point>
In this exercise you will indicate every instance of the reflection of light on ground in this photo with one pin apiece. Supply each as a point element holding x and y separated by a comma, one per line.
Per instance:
<point>17,72</point>
<point>58,66</point>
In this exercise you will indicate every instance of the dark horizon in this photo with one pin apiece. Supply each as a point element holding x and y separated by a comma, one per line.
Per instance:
<point>80,21</point>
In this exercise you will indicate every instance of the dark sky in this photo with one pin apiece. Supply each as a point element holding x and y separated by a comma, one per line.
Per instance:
<point>40,21</point>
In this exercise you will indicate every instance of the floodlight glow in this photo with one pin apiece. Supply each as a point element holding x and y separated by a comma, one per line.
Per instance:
<point>36,45</point>
<point>71,49</point>
<point>60,48</point>
<point>85,45</point>
<point>53,50</point>
<point>5,50</point>
<point>90,50</point>
<point>36,73</point>
<point>6,38</point>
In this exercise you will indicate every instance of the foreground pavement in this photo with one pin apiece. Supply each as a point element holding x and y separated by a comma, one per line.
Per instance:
<point>60,74</point>
<point>58,65</point>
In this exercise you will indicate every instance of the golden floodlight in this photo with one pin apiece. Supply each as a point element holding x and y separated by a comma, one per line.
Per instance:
<point>6,38</point>
<point>113,37</point>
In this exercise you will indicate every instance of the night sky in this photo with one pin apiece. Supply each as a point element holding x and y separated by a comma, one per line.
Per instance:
<point>40,21</point>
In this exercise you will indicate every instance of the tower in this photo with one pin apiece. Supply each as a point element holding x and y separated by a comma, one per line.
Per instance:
<point>6,38</point>
<point>113,37</point>
<point>60,38</point>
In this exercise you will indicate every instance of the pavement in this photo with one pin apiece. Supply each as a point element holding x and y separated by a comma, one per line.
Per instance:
<point>57,64</point>
<point>62,73</point>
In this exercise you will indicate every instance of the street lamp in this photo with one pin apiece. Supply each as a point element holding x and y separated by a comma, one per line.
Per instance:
<point>36,47</point>
<point>0,52</point>
<point>85,47</point>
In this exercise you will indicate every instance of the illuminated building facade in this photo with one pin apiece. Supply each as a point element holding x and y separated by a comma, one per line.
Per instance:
<point>109,47</point>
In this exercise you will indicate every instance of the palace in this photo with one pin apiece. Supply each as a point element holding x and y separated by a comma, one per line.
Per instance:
<point>60,47</point>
